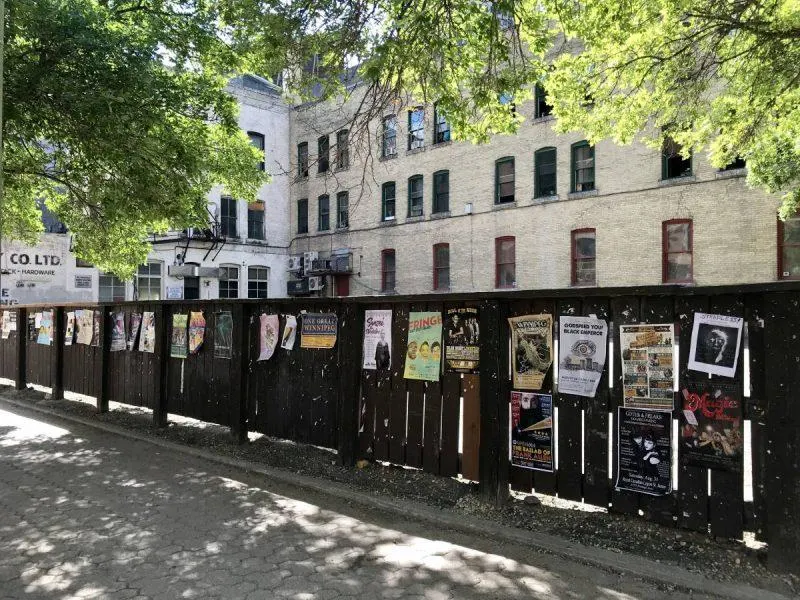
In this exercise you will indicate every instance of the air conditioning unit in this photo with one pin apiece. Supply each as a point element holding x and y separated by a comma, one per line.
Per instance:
<point>320,265</point>
<point>295,263</point>
<point>308,258</point>
<point>341,264</point>
<point>315,284</point>
<point>297,287</point>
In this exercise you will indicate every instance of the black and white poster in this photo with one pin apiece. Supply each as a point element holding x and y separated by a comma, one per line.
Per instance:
<point>644,449</point>
<point>462,340</point>
<point>715,344</point>
<point>532,431</point>
<point>581,354</point>
<point>377,339</point>
<point>711,425</point>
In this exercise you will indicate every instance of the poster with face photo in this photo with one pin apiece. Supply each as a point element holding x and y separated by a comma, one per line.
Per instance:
<point>711,425</point>
<point>117,331</point>
<point>69,332</point>
<point>462,340</point>
<point>715,344</point>
<point>377,339</point>
<point>97,318</point>
<point>644,448</point>
<point>531,350</point>
<point>45,336</point>
<point>133,331</point>
<point>424,349</point>
<point>532,431</point>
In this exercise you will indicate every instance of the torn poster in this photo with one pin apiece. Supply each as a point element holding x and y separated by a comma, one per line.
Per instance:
<point>197,331</point>
<point>147,338</point>
<point>289,332</point>
<point>85,326</point>
<point>179,348</point>
<point>69,330</point>
<point>117,331</point>
<point>268,334</point>
<point>97,319</point>
<point>133,331</point>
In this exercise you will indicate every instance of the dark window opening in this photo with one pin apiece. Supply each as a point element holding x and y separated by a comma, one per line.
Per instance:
<point>504,181</point>
<point>302,216</point>
<point>673,165</point>
<point>323,154</point>
<point>415,201</point>
<point>388,271</point>
<point>582,167</point>
<point>324,213</point>
<point>441,191</point>
<point>544,172</point>
<point>387,202</point>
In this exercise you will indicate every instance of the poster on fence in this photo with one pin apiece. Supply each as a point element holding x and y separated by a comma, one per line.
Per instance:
<point>97,319</point>
<point>223,334</point>
<point>133,332</point>
<point>711,426</point>
<point>648,365</point>
<point>581,354</point>
<point>532,347</point>
<point>268,334</point>
<point>147,337</point>
<point>85,325</point>
<point>45,336</point>
<point>289,332</point>
<point>6,324</point>
<point>12,320</point>
<point>462,340</point>
<point>532,431</point>
<point>118,331</point>
<point>197,331</point>
<point>318,330</point>
<point>179,348</point>
<point>715,344</point>
<point>424,350</point>
<point>33,327</point>
<point>377,339</point>
<point>69,330</point>
<point>644,450</point>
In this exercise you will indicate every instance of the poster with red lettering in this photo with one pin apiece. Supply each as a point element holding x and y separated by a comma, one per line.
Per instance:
<point>711,426</point>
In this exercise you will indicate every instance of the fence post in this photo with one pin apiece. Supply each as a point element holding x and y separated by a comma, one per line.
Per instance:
<point>351,321</point>
<point>105,360</point>
<point>240,366</point>
<point>20,379</point>
<point>160,374</point>
<point>57,387</point>
<point>493,457</point>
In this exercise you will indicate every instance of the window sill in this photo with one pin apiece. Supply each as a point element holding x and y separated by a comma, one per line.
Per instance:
<point>388,292</point>
<point>416,219</point>
<point>677,180</point>
<point>327,230</point>
<point>504,205</point>
<point>341,169</point>
<point>440,215</point>
<point>546,199</point>
<point>503,288</point>
<point>446,290</point>
<point>342,229</point>
<point>322,174</point>
<point>545,119</point>
<point>303,234</point>
<point>583,285</point>
<point>389,157</point>
<point>387,222</point>
<point>688,282</point>
<point>441,144</point>
<point>731,173</point>
<point>411,151</point>
<point>586,194</point>
<point>301,179</point>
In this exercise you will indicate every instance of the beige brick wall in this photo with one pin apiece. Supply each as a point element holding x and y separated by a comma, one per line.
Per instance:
<point>734,226</point>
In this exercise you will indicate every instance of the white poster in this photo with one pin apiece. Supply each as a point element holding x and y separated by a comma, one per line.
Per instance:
<point>5,326</point>
<point>377,339</point>
<point>715,344</point>
<point>269,332</point>
<point>289,332</point>
<point>84,321</point>
<point>581,354</point>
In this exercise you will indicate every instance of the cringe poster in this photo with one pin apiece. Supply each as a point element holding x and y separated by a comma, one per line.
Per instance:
<point>377,339</point>
<point>531,349</point>
<point>424,350</point>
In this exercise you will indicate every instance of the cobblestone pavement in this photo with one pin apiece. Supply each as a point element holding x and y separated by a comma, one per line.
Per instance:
<point>86,514</point>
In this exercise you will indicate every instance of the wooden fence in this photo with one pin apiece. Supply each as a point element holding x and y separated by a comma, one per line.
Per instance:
<point>460,424</point>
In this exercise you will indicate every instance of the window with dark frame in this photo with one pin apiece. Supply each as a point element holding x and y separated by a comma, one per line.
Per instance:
<point>505,262</point>
<point>257,140</point>
<point>441,267</point>
<point>229,281</point>
<point>737,163</point>
<point>673,165</point>
<point>677,251</point>
<point>342,210</point>
<point>342,150</point>
<point>441,128</point>
<point>324,213</point>
<point>441,191</point>
<point>323,154</point>
<point>389,136</point>
<point>789,248</point>
<point>416,128</point>
<point>504,181</point>
<point>582,167</point>
<point>415,196</point>
<point>228,221</point>
<point>584,257</point>
<point>257,282</point>
<point>388,201</point>
<point>544,166</point>
<point>388,265</point>
<point>302,159</point>
<point>541,107</point>
<point>255,220</point>
<point>302,216</point>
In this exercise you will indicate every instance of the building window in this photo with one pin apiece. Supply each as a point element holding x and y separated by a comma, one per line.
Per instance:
<point>323,154</point>
<point>584,257</point>
<point>441,128</point>
<point>228,222</point>
<point>416,128</point>
<point>387,194</point>
<point>83,264</point>
<point>504,181</point>
<point>191,285</point>
<point>582,167</point>
<point>737,163</point>
<point>302,159</point>
<point>257,140</point>
<point>148,282</point>
<point>415,196</point>
<point>673,165</point>
<point>389,136</point>
<point>544,166</point>
<point>388,271</point>
<point>342,150</point>
<point>789,248</point>
<point>257,282</point>
<point>677,251</point>
<point>441,191</point>
<point>505,262</point>
<point>255,220</point>
<point>541,107</point>
<point>324,213</point>
<point>302,216</point>
<point>229,281</point>
<point>111,288</point>
<point>342,210</point>
<point>441,267</point>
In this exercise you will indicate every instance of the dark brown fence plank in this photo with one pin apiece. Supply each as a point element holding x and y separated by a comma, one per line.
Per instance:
<point>493,457</point>
<point>416,408</point>
<point>755,411</point>
<point>471,432</point>
<point>568,426</point>
<point>390,411</point>
<point>451,414</point>
<point>521,480</point>
<point>366,414</point>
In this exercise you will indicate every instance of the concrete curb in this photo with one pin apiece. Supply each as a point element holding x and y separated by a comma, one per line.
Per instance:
<point>598,557</point>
